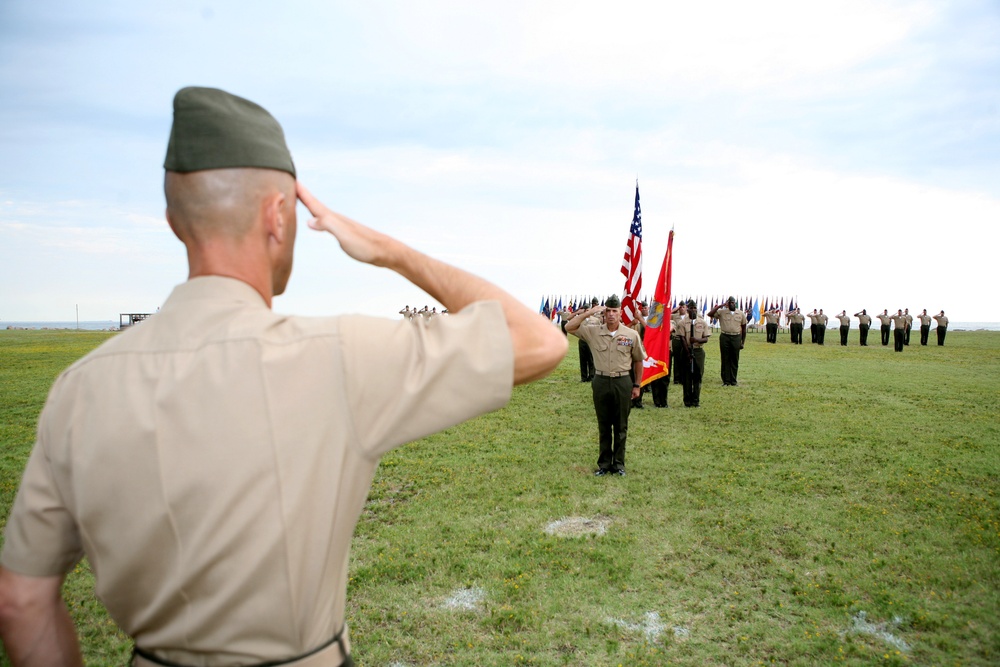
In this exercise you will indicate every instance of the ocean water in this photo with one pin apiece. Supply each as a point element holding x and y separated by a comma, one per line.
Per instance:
<point>971,326</point>
<point>100,325</point>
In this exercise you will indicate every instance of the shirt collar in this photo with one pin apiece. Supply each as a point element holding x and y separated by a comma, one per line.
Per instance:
<point>222,288</point>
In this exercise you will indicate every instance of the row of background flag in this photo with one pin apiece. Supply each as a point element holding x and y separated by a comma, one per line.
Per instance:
<point>551,306</point>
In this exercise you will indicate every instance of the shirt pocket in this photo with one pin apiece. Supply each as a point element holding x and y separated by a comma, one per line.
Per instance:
<point>624,353</point>
<point>601,344</point>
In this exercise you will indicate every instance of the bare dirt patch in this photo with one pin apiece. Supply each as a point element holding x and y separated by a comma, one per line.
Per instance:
<point>465,599</point>
<point>651,627</point>
<point>861,625</point>
<point>578,526</point>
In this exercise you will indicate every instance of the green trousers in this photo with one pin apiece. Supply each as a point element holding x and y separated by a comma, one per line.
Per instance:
<point>612,403</point>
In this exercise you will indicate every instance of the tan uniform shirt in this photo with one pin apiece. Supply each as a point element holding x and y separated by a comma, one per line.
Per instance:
<point>772,316</point>
<point>613,353</point>
<point>899,321</point>
<point>942,320</point>
<point>702,329</point>
<point>212,462</point>
<point>822,319</point>
<point>845,320</point>
<point>675,323</point>
<point>865,320</point>
<point>796,318</point>
<point>925,320</point>
<point>731,321</point>
<point>885,319</point>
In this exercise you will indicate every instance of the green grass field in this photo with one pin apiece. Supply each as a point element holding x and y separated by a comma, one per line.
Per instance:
<point>839,507</point>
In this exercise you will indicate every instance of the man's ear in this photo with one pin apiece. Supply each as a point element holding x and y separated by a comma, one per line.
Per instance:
<point>173,226</point>
<point>274,219</point>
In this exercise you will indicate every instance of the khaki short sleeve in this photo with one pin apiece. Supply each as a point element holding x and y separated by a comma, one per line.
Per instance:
<point>638,350</point>
<point>41,538</point>
<point>407,379</point>
<point>586,332</point>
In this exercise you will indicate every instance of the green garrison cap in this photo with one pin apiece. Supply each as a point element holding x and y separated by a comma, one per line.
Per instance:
<point>215,130</point>
<point>613,302</point>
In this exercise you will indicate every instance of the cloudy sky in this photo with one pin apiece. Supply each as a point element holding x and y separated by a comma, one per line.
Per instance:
<point>847,153</point>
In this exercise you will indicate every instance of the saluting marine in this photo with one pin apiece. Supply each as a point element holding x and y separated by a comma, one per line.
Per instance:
<point>618,355</point>
<point>925,327</point>
<point>942,327</point>
<point>733,324</point>
<point>864,324</point>
<point>845,326</point>
<point>886,319</point>
<point>212,463</point>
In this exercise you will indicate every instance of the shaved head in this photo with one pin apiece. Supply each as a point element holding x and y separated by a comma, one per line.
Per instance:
<point>221,202</point>
<point>238,223</point>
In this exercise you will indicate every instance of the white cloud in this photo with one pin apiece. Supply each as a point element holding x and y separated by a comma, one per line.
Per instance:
<point>644,45</point>
<point>91,227</point>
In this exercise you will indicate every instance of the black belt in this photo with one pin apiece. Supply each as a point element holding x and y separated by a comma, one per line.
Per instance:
<point>336,639</point>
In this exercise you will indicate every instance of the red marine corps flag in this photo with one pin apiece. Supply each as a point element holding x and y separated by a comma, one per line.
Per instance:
<point>657,341</point>
<point>632,265</point>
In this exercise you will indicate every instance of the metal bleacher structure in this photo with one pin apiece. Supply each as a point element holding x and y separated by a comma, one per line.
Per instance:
<point>126,320</point>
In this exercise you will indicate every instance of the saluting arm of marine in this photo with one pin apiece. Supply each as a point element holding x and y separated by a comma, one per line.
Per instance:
<point>538,346</point>
<point>580,316</point>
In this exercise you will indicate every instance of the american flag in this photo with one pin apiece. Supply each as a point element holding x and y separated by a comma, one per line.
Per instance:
<point>632,265</point>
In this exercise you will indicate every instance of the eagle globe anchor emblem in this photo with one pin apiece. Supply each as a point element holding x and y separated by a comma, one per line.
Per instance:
<point>655,318</point>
